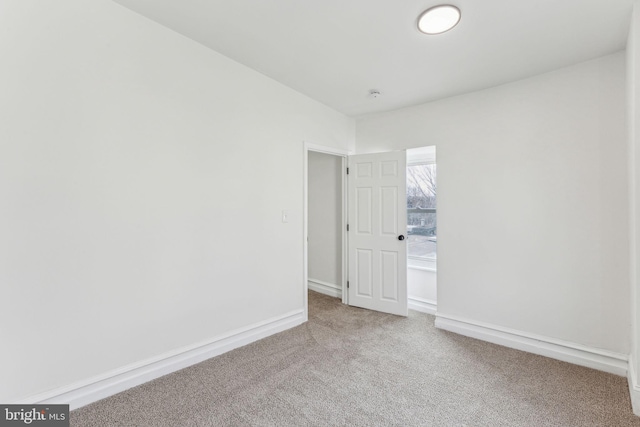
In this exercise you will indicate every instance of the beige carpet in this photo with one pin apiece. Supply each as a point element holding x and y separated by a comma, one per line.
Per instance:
<point>353,367</point>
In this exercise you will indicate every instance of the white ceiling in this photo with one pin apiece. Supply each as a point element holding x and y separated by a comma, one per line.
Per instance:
<point>335,51</point>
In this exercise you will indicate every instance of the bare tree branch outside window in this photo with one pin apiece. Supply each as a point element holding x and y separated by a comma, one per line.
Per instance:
<point>422,185</point>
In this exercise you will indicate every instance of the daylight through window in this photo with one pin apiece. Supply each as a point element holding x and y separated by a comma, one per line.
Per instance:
<point>421,211</point>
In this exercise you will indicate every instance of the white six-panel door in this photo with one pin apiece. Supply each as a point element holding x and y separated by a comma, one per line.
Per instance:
<point>377,218</point>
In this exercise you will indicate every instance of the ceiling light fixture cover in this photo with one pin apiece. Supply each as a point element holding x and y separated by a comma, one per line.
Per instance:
<point>438,19</point>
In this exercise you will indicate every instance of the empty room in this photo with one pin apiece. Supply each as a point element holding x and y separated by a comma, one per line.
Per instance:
<point>228,214</point>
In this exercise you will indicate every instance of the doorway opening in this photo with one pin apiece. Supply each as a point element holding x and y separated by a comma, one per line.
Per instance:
<point>325,222</point>
<point>390,195</point>
<point>422,229</point>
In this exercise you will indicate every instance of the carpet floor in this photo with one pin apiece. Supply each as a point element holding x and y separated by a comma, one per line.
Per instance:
<point>352,367</point>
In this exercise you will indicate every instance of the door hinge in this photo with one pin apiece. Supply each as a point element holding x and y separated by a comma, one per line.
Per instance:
<point>347,171</point>
<point>347,227</point>
<point>347,284</point>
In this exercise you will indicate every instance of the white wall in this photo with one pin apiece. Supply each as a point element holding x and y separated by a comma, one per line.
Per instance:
<point>142,179</point>
<point>422,285</point>
<point>532,201</point>
<point>325,219</point>
<point>633,105</point>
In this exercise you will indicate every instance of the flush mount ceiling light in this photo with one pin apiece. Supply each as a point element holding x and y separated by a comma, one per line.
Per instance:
<point>438,19</point>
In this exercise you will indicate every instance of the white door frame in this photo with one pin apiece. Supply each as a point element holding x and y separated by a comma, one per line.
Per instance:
<point>305,219</point>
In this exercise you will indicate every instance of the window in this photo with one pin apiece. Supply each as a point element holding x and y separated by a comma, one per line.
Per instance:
<point>422,227</point>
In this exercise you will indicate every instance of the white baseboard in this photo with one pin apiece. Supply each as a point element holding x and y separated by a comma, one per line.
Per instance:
<point>325,288</point>
<point>578,354</point>
<point>634,388</point>
<point>422,305</point>
<point>96,388</point>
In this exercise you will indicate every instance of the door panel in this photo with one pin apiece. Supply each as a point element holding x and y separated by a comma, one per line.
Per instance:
<point>377,216</point>
<point>389,275</point>
<point>389,211</point>
<point>363,210</point>
<point>364,274</point>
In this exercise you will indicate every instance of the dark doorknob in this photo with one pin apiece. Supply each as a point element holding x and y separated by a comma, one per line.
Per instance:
<point>401,237</point>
